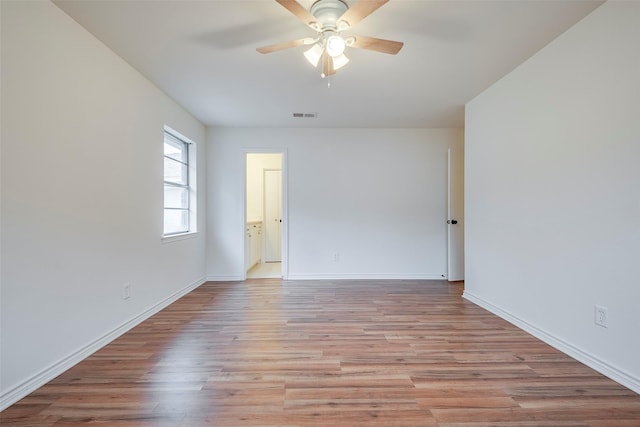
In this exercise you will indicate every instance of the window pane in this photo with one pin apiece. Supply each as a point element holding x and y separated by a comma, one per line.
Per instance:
<point>175,172</point>
<point>175,148</point>
<point>176,221</point>
<point>178,211</point>
<point>176,197</point>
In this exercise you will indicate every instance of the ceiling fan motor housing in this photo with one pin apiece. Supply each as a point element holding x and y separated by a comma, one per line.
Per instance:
<point>327,12</point>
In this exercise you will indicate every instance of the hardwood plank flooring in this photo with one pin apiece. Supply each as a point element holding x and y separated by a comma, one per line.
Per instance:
<point>327,353</point>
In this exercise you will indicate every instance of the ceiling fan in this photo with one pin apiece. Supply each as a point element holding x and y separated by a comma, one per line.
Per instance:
<point>329,18</point>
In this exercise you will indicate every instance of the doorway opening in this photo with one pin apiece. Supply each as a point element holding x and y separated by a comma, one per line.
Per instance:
<point>264,248</point>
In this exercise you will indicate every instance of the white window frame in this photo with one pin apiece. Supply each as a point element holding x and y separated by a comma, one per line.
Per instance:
<point>190,186</point>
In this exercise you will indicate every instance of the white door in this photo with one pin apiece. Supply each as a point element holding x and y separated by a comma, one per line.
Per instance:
<point>273,215</point>
<point>455,211</point>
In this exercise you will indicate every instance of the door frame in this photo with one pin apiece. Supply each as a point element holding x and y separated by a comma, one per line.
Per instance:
<point>285,206</point>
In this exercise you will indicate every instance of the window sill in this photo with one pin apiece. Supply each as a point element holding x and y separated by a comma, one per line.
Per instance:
<point>179,237</point>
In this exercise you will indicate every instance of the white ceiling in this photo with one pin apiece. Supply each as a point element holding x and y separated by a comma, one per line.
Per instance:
<point>202,53</point>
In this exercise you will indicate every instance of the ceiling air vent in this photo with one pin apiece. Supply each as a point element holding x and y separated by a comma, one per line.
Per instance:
<point>305,115</point>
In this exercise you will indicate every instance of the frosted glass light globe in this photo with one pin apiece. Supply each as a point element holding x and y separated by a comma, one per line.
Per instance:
<point>335,46</point>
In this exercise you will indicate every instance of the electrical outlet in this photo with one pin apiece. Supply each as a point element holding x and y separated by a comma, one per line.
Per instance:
<point>336,257</point>
<point>126,291</point>
<point>601,316</point>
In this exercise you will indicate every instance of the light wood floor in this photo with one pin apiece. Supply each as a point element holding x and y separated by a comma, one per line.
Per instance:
<point>265,270</point>
<point>327,353</point>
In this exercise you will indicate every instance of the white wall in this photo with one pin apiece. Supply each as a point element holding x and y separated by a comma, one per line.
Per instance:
<point>82,136</point>
<point>553,192</point>
<point>375,196</point>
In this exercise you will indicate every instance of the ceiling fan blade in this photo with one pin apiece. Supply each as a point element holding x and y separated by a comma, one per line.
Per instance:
<point>298,10</point>
<point>360,10</point>
<point>285,45</point>
<point>327,65</point>
<point>379,45</point>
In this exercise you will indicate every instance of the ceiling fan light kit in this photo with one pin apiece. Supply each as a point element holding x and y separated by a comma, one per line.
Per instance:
<point>340,61</point>
<point>329,18</point>
<point>314,54</point>
<point>335,45</point>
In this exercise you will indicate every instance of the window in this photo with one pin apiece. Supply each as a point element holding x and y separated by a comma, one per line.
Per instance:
<point>179,200</point>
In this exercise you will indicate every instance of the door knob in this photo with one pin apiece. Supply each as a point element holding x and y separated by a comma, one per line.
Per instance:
<point>452,221</point>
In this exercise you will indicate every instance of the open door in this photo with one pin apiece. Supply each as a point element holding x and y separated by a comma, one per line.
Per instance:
<point>273,215</point>
<point>455,212</point>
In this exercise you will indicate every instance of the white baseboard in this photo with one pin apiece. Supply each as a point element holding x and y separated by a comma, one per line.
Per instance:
<point>355,276</point>
<point>225,278</point>
<point>365,277</point>
<point>580,355</point>
<point>41,378</point>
